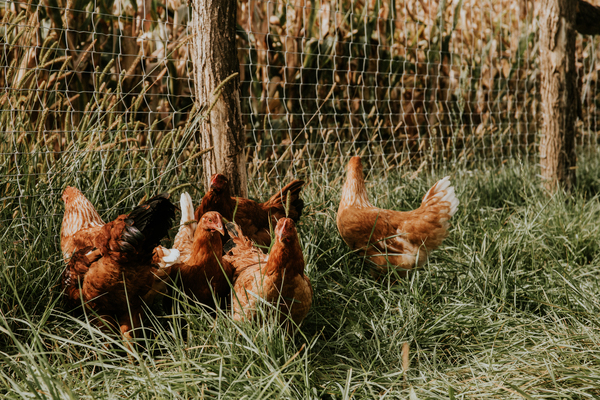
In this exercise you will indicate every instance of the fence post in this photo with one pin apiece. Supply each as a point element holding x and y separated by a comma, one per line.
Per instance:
<point>559,93</point>
<point>214,55</point>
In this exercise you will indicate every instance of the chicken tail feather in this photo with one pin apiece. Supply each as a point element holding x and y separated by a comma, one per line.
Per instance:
<point>295,204</point>
<point>187,211</point>
<point>165,258</point>
<point>442,197</point>
<point>147,224</point>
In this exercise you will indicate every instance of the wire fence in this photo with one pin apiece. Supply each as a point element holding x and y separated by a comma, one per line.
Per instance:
<point>407,83</point>
<point>99,94</point>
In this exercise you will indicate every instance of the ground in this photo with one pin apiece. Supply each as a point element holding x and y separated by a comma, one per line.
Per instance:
<point>507,308</point>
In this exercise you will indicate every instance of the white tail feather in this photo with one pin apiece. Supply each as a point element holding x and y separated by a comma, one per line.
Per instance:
<point>187,212</point>
<point>170,257</point>
<point>185,236</point>
<point>443,192</point>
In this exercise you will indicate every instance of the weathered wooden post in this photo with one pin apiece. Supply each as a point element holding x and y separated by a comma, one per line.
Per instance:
<point>214,56</point>
<point>559,93</point>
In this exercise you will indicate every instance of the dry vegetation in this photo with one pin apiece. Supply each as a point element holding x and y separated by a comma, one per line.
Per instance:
<point>415,81</point>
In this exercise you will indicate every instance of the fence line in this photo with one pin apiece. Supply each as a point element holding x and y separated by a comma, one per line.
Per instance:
<point>99,94</point>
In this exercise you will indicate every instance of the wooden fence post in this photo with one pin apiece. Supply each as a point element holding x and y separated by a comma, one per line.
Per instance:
<point>560,103</point>
<point>214,55</point>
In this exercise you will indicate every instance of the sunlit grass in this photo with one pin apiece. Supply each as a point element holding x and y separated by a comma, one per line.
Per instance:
<point>507,307</point>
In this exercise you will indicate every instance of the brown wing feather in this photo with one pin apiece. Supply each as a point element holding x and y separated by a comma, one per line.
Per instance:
<point>253,220</point>
<point>277,204</point>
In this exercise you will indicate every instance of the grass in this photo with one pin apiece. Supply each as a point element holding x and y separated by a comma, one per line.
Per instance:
<point>507,308</point>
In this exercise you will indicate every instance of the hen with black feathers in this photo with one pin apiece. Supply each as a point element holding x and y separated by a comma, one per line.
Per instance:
<point>115,276</point>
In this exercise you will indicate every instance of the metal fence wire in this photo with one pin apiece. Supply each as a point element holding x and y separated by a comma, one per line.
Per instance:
<point>99,94</point>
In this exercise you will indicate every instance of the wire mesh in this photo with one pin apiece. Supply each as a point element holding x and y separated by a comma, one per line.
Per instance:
<point>99,94</point>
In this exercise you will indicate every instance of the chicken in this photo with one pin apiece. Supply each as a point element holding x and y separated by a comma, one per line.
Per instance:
<point>205,271</point>
<point>115,275</point>
<point>252,217</point>
<point>278,278</point>
<point>82,223</point>
<point>402,239</point>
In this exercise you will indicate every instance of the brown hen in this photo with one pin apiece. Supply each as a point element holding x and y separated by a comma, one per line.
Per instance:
<point>115,275</point>
<point>205,271</point>
<point>402,239</point>
<point>278,278</point>
<point>254,218</point>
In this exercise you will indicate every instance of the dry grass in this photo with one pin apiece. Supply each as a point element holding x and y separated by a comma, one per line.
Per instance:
<point>413,82</point>
<point>506,308</point>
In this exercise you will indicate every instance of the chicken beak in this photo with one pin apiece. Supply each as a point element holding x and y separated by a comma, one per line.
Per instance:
<point>281,231</point>
<point>219,228</point>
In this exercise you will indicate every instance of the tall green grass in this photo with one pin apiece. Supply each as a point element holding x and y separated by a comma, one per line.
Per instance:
<point>507,308</point>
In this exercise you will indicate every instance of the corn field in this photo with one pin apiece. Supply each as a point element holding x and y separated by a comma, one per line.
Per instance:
<point>102,90</point>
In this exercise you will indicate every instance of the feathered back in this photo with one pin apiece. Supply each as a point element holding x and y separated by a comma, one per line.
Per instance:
<point>147,224</point>
<point>240,251</point>
<point>79,213</point>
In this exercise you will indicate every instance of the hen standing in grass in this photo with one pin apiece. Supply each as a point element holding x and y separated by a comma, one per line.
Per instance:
<point>115,275</point>
<point>205,272</point>
<point>82,223</point>
<point>403,239</point>
<point>278,278</point>
<point>254,218</point>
